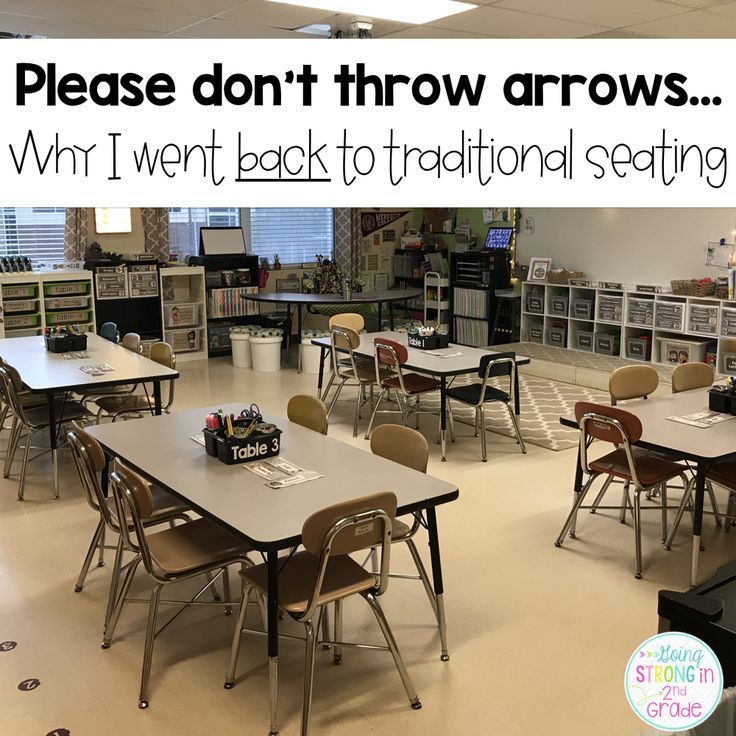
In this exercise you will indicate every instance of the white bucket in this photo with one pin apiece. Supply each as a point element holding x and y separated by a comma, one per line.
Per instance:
<point>310,356</point>
<point>266,353</point>
<point>240,342</point>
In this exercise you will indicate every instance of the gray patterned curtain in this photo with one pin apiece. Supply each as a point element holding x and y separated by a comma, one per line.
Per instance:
<point>156,231</point>
<point>347,239</point>
<point>76,232</point>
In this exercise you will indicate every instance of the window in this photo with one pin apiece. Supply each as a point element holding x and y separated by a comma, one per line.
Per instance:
<point>184,224</point>
<point>297,234</point>
<point>35,232</point>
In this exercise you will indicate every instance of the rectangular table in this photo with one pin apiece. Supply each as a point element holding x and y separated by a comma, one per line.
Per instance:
<point>427,362</point>
<point>271,520</point>
<point>703,447</point>
<point>48,373</point>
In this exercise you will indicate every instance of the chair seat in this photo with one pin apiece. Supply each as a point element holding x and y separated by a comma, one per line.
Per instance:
<point>343,577</point>
<point>38,416</point>
<point>165,507</point>
<point>127,403</point>
<point>414,383</point>
<point>192,546</point>
<point>399,531</point>
<point>470,394</point>
<point>29,400</point>
<point>366,372</point>
<point>724,474</point>
<point>651,469</point>
<point>107,390</point>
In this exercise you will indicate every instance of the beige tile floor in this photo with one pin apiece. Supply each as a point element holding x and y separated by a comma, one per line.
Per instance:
<point>539,636</point>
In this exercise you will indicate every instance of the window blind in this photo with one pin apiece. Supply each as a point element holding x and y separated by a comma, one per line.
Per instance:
<point>184,224</point>
<point>297,234</point>
<point>35,232</point>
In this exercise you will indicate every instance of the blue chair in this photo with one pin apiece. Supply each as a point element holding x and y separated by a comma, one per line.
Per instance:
<point>109,331</point>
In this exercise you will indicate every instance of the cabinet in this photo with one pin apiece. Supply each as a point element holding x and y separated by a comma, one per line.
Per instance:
<point>184,311</point>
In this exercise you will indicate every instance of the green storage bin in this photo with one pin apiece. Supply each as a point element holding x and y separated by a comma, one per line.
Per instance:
<point>66,318</point>
<point>65,288</point>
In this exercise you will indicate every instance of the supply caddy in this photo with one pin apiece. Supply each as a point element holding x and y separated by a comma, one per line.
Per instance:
<point>240,439</point>
<point>723,398</point>
<point>427,338</point>
<point>64,339</point>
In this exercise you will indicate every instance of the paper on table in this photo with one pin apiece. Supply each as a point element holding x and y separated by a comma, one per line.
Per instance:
<point>444,355</point>
<point>198,438</point>
<point>280,473</point>
<point>702,419</point>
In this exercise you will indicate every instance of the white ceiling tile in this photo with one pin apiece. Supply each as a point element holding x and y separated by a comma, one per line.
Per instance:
<point>695,24</point>
<point>696,4</point>
<point>52,28</point>
<point>429,32</point>
<point>91,12</point>
<point>229,29</point>
<point>617,33</point>
<point>276,15</point>
<point>611,14</point>
<point>728,9</point>
<point>198,8</point>
<point>504,23</point>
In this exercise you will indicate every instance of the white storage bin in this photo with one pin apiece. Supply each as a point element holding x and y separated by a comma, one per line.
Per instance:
<point>66,302</point>
<point>310,356</point>
<point>703,319</point>
<point>674,351</point>
<point>183,341</point>
<point>728,322</point>
<point>641,312</point>
<point>181,315</point>
<point>610,308</point>
<point>266,352</point>
<point>20,305</point>
<point>669,316</point>
<point>240,343</point>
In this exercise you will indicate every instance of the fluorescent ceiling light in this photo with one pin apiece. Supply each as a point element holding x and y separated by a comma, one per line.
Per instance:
<point>316,29</point>
<point>415,12</point>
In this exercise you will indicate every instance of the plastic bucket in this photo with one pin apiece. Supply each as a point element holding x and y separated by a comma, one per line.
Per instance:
<point>310,356</point>
<point>266,353</point>
<point>240,342</point>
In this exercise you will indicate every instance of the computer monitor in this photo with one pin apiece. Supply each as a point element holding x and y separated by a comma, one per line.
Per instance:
<point>498,238</point>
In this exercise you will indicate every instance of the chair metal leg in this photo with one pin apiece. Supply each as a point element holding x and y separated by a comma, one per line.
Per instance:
<point>358,402</point>
<point>329,386</point>
<point>375,567</point>
<point>625,503</point>
<point>235,646</point>
<point>148,651</point>
<point>120,601</point>
<point>324,622</point>
<point>422,574</point>
<point>477,420</point>
<point>338,390</point>
<point>714,503</point>
<point>310,646</point>
<point>450,420</point>
<point>273,691</point>
<point>664,512</point>
<point>114,582</point>
<point>578,499</point>
<point>101,558</point>
<point>606,483</point>
<point>15,431</point>
<point>637,532</point>
<point>213,588</point>
<point>517,429</point>
<point>94,544</point>
<point>337,654</point>
<point>226,590</point>
<point>729,514</point>
<point>388,635</point>
<point>373,414</point>
<point>416,411</point>
<point>402,407</point>
<point>686,499</point>
<point>482,417</point>
<point>24,466</point>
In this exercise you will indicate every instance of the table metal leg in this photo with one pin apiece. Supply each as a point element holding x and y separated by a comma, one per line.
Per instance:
<point>299,337</point>
<point>380,319</point>
<point>321,376</point>
<point>697,521</point>
<point>53,443</point>
<point>157,398</point>
<point>391,315</point>
<point>273,638</point>
<point>434,553</point>
<point>443,416</point>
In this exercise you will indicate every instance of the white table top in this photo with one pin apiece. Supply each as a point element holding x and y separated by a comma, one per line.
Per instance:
<point>426,361</point>
<point>358,297</point>
<point>161,449</point>
<point>694,443</point>
<point>43,372</point>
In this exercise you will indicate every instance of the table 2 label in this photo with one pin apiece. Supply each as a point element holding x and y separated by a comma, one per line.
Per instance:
<point>673,681</point>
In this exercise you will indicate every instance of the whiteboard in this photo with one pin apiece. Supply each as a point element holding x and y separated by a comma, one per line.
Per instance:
<point>220,241</point>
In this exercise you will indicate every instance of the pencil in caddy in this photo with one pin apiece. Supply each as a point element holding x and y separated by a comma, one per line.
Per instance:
<point>239,439</point>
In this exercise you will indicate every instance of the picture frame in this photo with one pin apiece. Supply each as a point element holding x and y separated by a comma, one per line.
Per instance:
<point>538,269</point>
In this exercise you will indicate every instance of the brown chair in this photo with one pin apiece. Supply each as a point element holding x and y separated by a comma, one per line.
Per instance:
<point>30,419</point>
<point>308,411</point>
<point>348,371</point>
<point>643,471</point>
<point>389,357</point>
<point>131,341</point>
<point>632,382</point>
<point>139,404</point>
<point>325,573</point>
<point>169,556</point>
<point>89,459</point>
<point>409,448</point>
<point>689,376</point>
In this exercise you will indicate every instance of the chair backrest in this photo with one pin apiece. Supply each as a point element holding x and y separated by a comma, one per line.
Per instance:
<point>688,376</point>
<point>632,382</point>
<point>109,331</point>
<point>308,411</point>
<point>348,527</point>
<point>403,445</point>
<point>389,352</point>
<point>607,423</point>
<point>9,388</point>
<point>351,320</point>
<point>342,340</point>
<point>89,459</point>
<point>163,353</point>
<point>131,341</point>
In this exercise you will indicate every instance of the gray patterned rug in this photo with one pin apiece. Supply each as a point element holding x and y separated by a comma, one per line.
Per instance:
<point>542,401</point>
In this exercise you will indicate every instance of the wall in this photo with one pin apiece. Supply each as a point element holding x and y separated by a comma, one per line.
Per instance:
<point>132,242</point>
<point>627,245</point>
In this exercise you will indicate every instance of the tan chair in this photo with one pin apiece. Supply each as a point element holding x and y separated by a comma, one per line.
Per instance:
<point>89,459</point>
<point>139,404</point>
<point>325,573</point>
<point>351,320</point>
<point>308,411</point>
<point>641,470</point>
<point>689,376</point>
<point>169,556</point>
<point>409,448</point>
<point>348,371</point>
<point>30,419</point>
<point>632,382</point>
<point>132,341</point>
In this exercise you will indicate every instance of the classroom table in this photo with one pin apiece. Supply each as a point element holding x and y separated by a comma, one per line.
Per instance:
<point>48,373</point>
<point>703,447</point>
<point>162,449</point>
<point>428,362</point>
